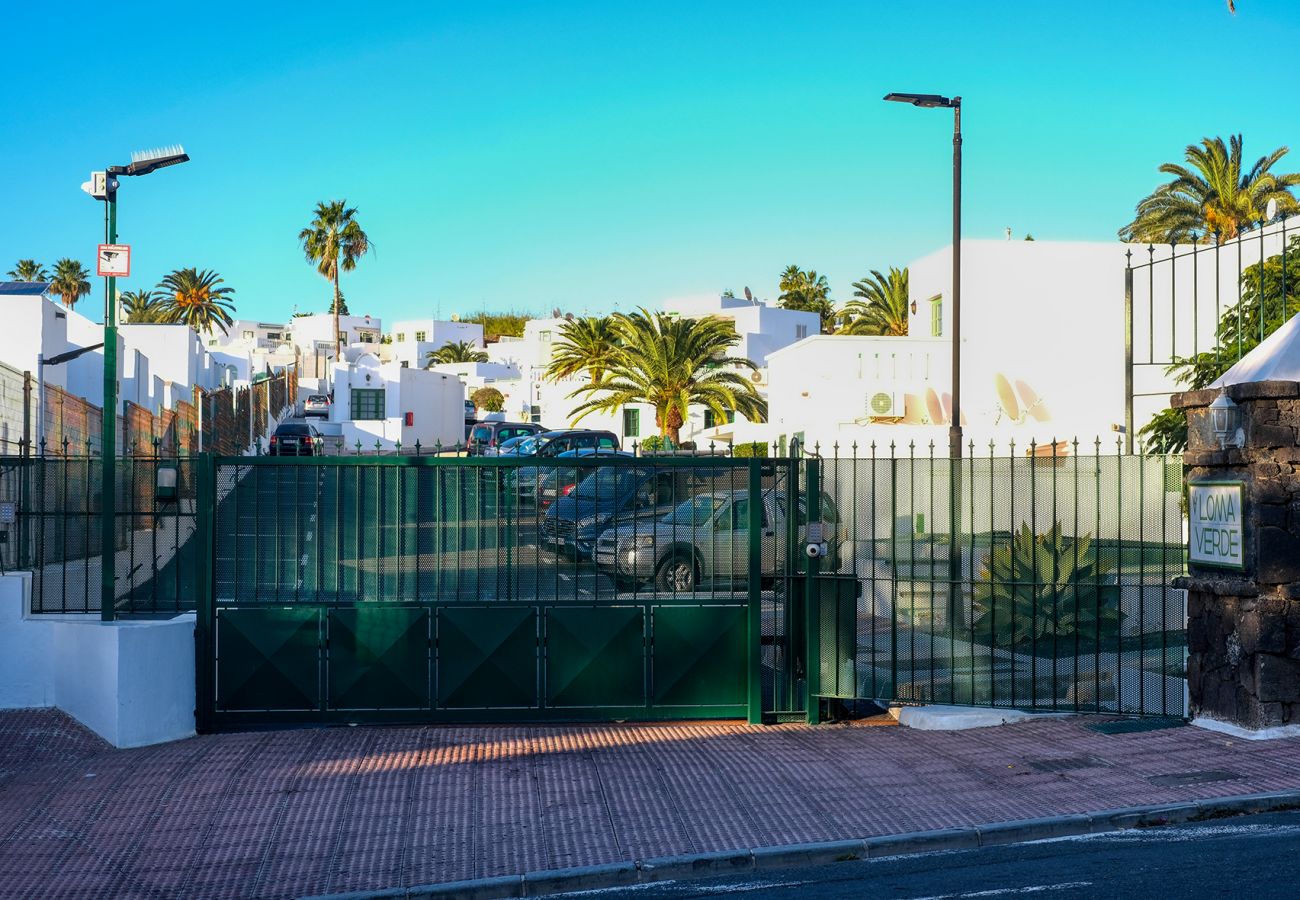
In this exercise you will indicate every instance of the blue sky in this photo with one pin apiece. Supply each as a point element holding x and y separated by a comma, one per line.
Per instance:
<point>588,155</point>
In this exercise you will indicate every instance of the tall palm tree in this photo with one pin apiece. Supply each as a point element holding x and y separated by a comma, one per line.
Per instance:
<point>197,299</point>
<point>673,364</point>
<point>588,344</point>
<point>1211,195</point>
<point>456,352</point>
<point>29,270</point>
<point>881,307</point>
<point>143,307</point>
<point>71,281</point>
<point>807,291</point>
<point>333,242</point>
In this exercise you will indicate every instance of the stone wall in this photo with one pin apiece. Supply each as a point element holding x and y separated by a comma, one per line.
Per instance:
<point>1243,628</point>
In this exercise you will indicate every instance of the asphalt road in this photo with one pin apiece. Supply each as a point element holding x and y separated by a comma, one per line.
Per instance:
<point>1243,857</point>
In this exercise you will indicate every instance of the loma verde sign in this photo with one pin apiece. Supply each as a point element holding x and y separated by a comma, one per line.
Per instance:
<point>1215,518</point>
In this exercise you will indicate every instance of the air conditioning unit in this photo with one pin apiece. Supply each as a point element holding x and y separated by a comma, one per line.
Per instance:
<point>885,404</point>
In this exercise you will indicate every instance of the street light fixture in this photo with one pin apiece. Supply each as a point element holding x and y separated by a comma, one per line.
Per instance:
<point>103,186</point>
<point>937,101</point>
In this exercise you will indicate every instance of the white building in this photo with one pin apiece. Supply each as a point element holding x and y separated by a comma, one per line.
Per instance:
<point>173,359</point>
<point>763,329</point>
<point>1043,356</point>
<point>388,403</point>
<point>315,340</point>
<point>412,340</point>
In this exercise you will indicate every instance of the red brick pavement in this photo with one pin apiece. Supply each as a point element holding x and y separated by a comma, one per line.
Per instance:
<point>286,813</point>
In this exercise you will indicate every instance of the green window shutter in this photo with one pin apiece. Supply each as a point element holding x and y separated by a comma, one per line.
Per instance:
<point>631,423</point>
<point>936,316</point>
<point>367,404</point>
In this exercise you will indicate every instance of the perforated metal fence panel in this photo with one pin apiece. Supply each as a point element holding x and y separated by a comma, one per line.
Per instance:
<point>1039,581</point>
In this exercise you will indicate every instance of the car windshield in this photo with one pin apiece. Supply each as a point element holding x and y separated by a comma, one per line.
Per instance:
<point>605,484</point>
<point>293,429</point>
<point>482,433</point>
<point>317,398</point>
<point>694,512</point>
<point>513,443</point>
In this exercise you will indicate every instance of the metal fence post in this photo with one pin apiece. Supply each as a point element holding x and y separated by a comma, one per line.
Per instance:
<point>755,591</point>
<point>1128,352</point>
<point>811,596</point>
<point>205,515</point>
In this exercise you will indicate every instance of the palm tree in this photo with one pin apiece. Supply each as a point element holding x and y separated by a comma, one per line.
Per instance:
<point>334,241</point>
<point>197,299</point>
<point>882,305</point>
<point>588,344</point>
<point>71,281</point>
<point>29,270</point>
<point>809,292</point>
<point>1211,196</point>
<point>143,307</point>
<point>456,352</point>
<point>671,364</point>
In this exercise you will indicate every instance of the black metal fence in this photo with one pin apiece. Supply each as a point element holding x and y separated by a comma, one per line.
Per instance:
<point>1039,580</point>
<point>1202,304</point>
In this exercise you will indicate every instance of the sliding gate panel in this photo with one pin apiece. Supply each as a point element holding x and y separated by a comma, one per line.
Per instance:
<point>452,589</point>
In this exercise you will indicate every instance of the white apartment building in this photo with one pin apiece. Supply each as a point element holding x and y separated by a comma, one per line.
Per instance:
<point>1043,339</point>
<point>386,403</point>
<point>314,339</point>
<point>762,328</point>
<point>412,340</point>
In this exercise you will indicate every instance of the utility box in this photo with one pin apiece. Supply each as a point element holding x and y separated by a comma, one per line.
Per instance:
<point>836,599</point>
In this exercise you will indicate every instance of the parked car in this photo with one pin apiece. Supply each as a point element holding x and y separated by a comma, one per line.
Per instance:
<point>706,539</point>
<point>296,439</point>
<point>561,480</point>
<point>617,495</point>
<point>515,446</point>
<point>549,445</point>
<point>471,418</point>
<point>316,405</point>
<point>485,436</point>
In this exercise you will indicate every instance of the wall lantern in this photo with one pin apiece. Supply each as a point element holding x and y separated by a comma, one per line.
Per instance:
<point>165,480</point>
<point>1225,419</point>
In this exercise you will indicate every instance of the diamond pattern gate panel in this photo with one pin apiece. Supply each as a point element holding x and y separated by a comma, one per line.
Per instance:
<point>424,588</point>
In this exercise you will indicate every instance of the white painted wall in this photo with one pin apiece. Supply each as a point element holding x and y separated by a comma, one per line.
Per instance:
<point>33,325</point>
<point>406,348</point>
<point>131,682</point>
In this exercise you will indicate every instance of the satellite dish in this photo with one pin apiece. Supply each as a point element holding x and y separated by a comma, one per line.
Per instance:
<point>1270,210</point>
<point>748,295</point>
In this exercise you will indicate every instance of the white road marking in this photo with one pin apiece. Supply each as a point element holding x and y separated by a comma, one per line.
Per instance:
<point>1005,892</point>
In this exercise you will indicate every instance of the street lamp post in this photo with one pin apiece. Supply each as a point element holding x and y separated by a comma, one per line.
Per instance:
<point>937,101</point>
<point>103,186</point>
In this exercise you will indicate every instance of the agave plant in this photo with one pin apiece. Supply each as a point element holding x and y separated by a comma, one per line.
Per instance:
<point>1046,592</point>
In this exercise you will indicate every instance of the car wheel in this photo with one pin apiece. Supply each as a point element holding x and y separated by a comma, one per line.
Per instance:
<point>677,573</point>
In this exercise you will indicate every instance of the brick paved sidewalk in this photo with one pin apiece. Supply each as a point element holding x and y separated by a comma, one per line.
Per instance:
<point>287,813</point>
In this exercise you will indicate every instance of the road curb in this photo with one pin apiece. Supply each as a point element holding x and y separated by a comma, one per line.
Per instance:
<point>705,865</point>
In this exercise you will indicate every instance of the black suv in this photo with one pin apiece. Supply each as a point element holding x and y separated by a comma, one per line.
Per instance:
<point>487,435</point>
<point>296,439</point>
<point>553,443</point>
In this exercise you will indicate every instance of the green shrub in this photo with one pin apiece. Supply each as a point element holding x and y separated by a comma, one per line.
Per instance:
<point>751,450</point>
<point>653,443</point>
<point>488,399</point>
<point>1045,592</point>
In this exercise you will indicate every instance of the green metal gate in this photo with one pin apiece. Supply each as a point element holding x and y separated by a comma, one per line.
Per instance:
<point>1038,580</point>
<point>453,589</point>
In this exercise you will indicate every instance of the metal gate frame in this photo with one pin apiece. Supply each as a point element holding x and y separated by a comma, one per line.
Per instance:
<point>297,695</point>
